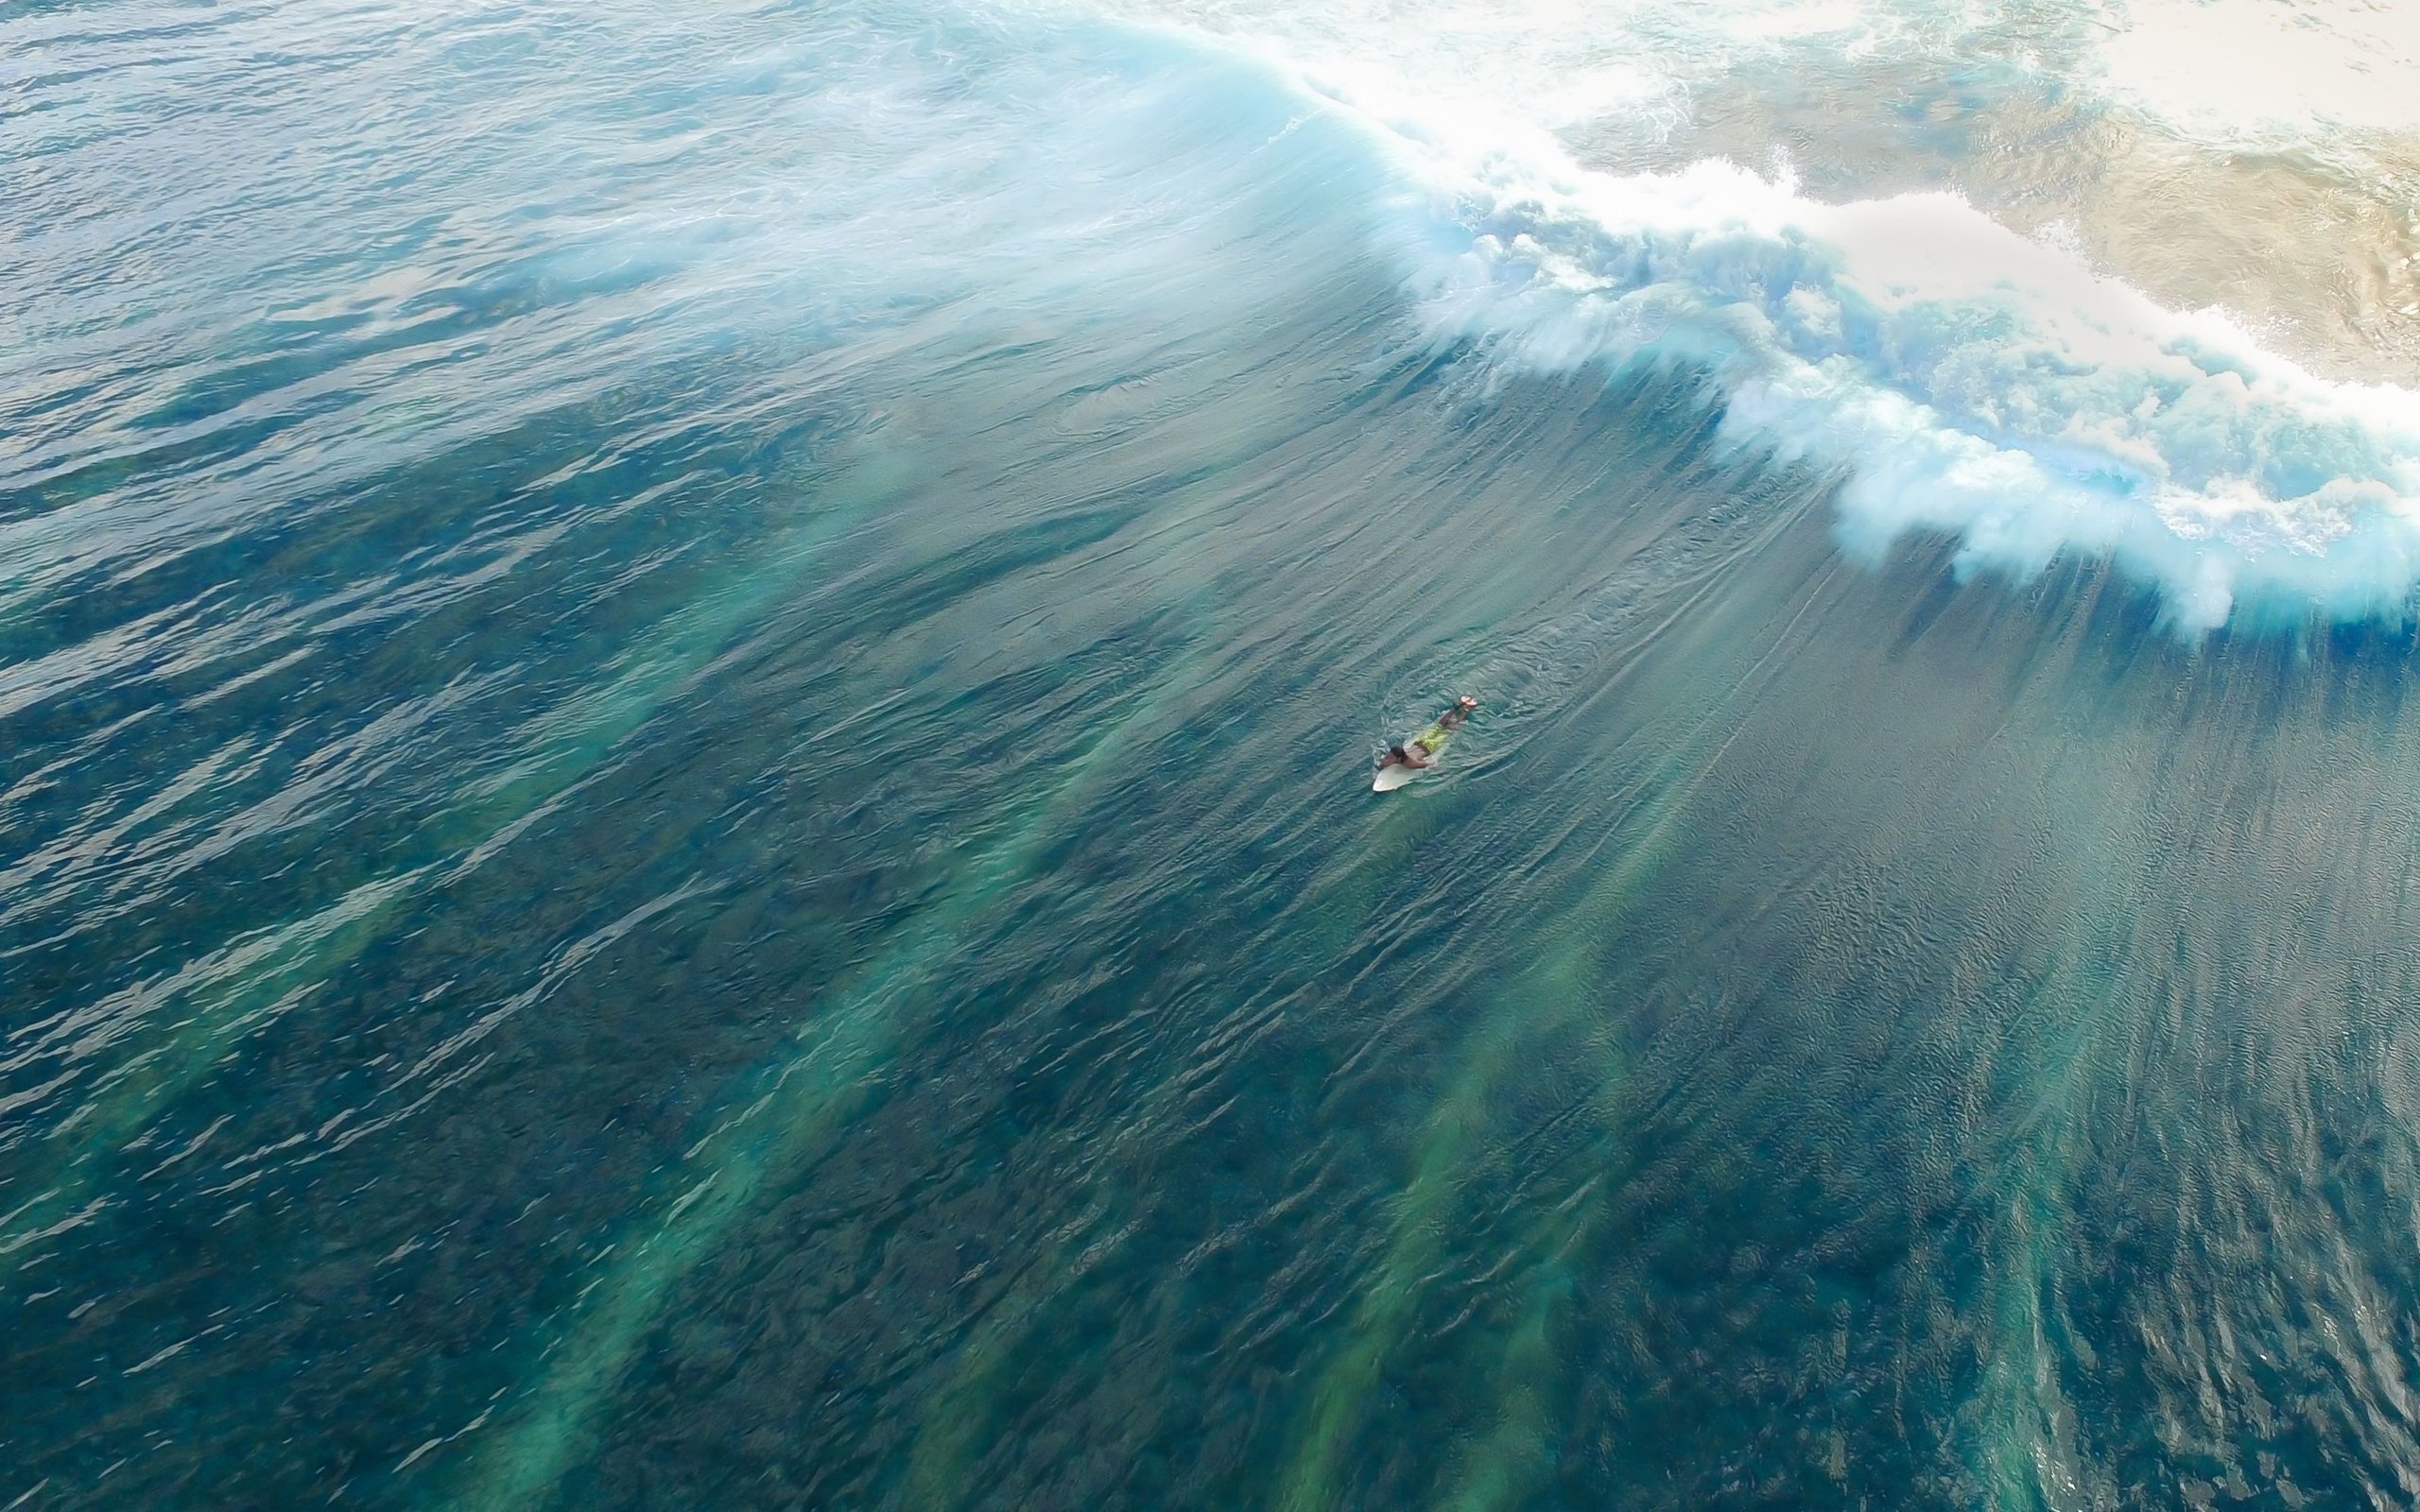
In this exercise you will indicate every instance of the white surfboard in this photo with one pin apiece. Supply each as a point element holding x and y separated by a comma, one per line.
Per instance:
<point>1390,778</point>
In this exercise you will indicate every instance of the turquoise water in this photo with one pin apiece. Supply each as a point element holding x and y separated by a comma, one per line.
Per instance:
<point>686,713</point>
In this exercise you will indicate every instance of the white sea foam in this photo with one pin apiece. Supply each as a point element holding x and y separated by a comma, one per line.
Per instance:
<point>1964,378</point>
<point>2263,71</point>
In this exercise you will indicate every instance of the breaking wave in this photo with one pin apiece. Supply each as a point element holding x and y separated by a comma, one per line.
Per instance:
<point>1964,378</point>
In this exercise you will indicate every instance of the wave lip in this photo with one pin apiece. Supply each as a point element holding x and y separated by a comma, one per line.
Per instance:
<point>1966,378</point>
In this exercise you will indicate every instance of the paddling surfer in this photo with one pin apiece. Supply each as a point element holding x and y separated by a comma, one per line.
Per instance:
<point>1415,753</point>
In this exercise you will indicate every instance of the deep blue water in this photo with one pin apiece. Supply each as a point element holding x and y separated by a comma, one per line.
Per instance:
<point>685,706</point>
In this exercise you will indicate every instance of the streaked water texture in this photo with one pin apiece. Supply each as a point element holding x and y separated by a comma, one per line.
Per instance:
<point>686,697</point>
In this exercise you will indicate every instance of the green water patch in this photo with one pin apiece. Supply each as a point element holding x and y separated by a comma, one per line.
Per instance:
<point>783,1119</point>
<point>1539,1006</point>
<point>960,1425</point>
<point>210,1006</point>
<point>779,1119</point>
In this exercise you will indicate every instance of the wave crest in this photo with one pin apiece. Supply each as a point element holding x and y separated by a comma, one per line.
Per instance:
<point>1966,378</point>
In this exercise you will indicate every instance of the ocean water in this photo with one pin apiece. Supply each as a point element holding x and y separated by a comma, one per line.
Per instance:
<point>686,697</point>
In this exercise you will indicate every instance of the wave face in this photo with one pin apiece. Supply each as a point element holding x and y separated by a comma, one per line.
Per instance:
<point>686,698</point>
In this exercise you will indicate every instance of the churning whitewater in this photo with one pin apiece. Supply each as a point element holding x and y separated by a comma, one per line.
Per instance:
<point>688,704</point>
<point>1964,378</point>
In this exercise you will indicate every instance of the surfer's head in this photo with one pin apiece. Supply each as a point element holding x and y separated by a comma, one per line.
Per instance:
<point>1467,701</point>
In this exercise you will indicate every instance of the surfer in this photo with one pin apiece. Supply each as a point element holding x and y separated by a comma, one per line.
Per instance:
<point>1415,753</point>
